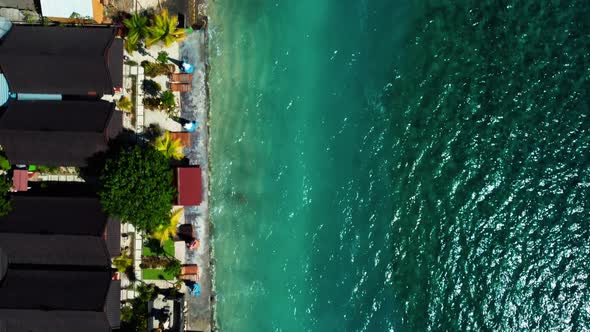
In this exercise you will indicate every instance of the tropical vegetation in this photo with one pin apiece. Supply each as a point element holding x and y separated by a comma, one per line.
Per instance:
<point>162,57</point>
<point>166,102</point>
<point>137,30</point>
<point>125,104</point>
<point>153,69</point>
<point>164,28</point>
<point>151,87</point>
<point>164,232</point>
<point>134,315</point>
<point>4,163</point>
<point>136,186</point>
<point>160,28</point>
<point>173,267</point>
<point>153,247</point>
<point>169,147</point>
<point>151,103</point>
<point>5,202</point>
<point>123,263</point>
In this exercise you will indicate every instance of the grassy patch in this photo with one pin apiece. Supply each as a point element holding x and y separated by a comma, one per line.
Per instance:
<point>168,249</point>
<point>154,274</point>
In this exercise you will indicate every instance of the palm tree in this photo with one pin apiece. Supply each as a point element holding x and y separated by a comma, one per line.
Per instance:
<point>123,262</point>
<point>166,231</point>
<point>137,29</point>
<point>171,148</point>
<point>168,100</point>
<point>163,28</point>
<point>125,104</point>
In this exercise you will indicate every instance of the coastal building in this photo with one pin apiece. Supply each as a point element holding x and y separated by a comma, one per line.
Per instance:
<point>55,272</point>
<point>56,251</point>
<point>189,184</point>
<point>72,11</point>
<point>57,133</point>
<point>20,180</point>
<point>64,215</point>
<point>81,61</point>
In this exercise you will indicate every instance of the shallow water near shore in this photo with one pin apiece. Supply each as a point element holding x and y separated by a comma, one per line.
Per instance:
<point>384,165</point>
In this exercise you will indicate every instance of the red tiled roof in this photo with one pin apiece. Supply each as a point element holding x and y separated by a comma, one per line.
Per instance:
<point>20,180</point>
<point>189,183</point>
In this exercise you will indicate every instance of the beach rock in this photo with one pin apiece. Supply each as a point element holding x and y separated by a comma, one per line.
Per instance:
<point>31,16</point>
<point>12,14</point>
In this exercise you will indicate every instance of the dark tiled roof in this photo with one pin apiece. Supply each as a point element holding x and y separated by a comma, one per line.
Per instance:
<point>113,304</point>
<point>114,125</point>
<point>57,116</point>
<point>60,60</point>
<point>52,289</point>
<point>52,321</point>
<point>113,237</point>
<point>116,62</point>
<point>55,249</point>
<point>54,215</point>
<point>56,133</point>
<point>3,264</point>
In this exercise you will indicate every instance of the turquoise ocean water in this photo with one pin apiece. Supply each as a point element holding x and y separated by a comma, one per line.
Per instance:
<point>385,165</point>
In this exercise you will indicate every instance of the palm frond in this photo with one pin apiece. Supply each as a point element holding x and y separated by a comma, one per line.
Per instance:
<point>164,29</point>
<point>165,231</point>
<point>171,148</point>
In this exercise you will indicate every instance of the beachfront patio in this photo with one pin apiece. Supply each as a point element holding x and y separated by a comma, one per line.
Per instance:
<point>192,106</point>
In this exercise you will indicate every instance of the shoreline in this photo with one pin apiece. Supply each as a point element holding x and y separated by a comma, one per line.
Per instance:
<point>213,322</point>
<point>214,326</point>
<point>203,113</point>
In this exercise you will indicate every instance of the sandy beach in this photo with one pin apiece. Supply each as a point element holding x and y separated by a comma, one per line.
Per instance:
<point>195,106</point>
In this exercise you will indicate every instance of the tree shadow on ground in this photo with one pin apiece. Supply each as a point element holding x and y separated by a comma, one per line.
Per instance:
<point>95,164</point>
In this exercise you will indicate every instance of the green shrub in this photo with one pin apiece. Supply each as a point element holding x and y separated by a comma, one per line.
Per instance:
<point>151,87</point>
<point>168,101</point>
<point>151,103</point>
<point>163,57</point>
<point>153,69</point>
<point>5,203</point>
<point>173,267</point>
<point>4,163</point>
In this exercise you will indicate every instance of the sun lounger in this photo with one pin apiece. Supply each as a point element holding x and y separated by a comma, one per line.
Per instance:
<point>180,87</point>
<point>181,78</point>
<point>189,273</point>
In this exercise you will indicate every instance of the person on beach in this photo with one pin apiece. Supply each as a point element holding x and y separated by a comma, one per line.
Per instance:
<point>190,126</point>
<point>186,67</point>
